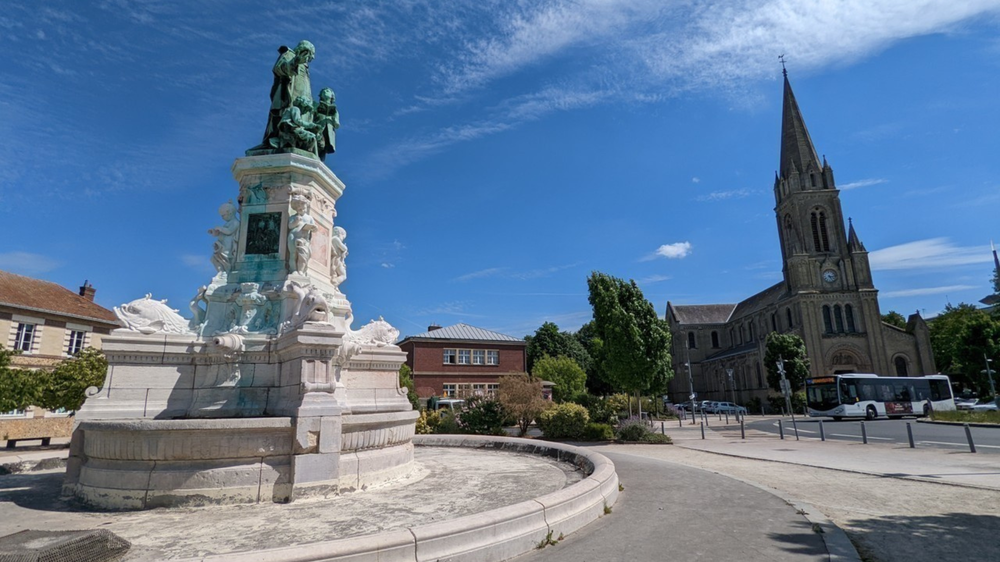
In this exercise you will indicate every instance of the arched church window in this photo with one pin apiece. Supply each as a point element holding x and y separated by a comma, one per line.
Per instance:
<point>691,342</point>
<point>732,338</point>
<point>774,322</point>
<point>788,316</point>
<point>838,317</point>
<point>760,377</point>
<point>812,178</point>
<point>750,331</point>
<point>715,339</point>
<point>901,369</point>
<point>823,232</point>
<point>849,314</point>
<point>814,222</point>
<point>827,320</point>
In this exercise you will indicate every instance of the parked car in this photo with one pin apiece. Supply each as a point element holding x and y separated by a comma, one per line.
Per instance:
<point>965,403</point>
<point>728,408</point>
<point>983,406</point>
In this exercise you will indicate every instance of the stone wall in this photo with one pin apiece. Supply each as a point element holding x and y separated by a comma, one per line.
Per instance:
<point>28,428</point>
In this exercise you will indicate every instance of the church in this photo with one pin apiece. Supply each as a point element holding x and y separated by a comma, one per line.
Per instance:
<point>826,296</point>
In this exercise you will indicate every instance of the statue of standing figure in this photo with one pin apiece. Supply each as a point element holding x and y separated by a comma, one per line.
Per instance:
<point>300,229</point>
<point>295,120</point>
<point>338,257</point>
<point>225,238</point>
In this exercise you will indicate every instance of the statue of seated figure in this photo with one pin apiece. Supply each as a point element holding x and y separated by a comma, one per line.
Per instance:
<point>296,129</point>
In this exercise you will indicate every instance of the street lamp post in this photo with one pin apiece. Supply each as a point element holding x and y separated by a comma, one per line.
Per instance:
<point>786,389</point>
<point>989,374</point>
<point>732,388</point>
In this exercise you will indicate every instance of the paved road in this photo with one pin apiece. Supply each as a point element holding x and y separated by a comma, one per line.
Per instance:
<point>887,431</point>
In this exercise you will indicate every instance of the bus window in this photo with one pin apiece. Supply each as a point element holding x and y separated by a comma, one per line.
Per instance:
<point>848,391</point>
<point>940,390</point>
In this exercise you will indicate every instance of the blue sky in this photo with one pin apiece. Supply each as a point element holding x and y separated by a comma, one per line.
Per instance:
<point>495,153</point>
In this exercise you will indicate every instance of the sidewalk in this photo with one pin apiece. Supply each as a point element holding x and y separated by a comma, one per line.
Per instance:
<point>27,457</point>
<point>958,468</point>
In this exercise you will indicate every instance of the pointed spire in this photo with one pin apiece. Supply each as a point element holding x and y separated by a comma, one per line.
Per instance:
<point>797,150</point>
<point>853,242</point>
<point>996,260</point>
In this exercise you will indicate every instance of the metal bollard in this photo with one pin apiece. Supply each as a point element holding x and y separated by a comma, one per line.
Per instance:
<point>703,430</point>
<point>704,416</point>
<point>781,429</point>
<point>822,433</point>
<point>795,426</point>
<point>909,435</point>
<point>864,434</point>
<point>727,418</point>
<point>743,431</point>
<point>968,435</point>
<point>663,430</point>
<point>680,420</point>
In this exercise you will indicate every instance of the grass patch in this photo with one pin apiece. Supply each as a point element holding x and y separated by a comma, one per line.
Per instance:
<point>967,417</point>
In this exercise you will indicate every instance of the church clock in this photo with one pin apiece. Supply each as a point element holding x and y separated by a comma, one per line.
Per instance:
<point>829,276</point>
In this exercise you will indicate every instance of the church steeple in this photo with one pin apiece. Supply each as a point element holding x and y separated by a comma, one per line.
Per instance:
<point>853,242</point>
<point>798,156</point>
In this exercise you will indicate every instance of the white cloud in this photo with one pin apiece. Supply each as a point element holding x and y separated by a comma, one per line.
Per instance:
<point>930,253</point>
<point>26,263</point>
<point>675,251</point>
<point>862,183</point>
<point>482,273</point>
<point>926,291</point>
<point>724,195</point>
<point>696,179</point>
<point>651,279</point>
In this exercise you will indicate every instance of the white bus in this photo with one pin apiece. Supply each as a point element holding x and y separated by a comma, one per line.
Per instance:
<point>859,395</point>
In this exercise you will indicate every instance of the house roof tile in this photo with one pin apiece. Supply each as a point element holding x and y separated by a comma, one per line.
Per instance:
<point>18,291</point>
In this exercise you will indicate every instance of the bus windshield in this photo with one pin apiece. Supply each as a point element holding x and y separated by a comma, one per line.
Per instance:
<point>822,396</point>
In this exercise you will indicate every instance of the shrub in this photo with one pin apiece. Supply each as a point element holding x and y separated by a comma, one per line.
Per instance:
<point>447,424</point>
<point>422,427</point>
<point>482,416</point>
<point>598,432</point>
<point>565,421</point>
<point>521,397</point>
<point>619,404</point>
<point>631,429</point>
<point>754,405</point>
<point>598,408</point>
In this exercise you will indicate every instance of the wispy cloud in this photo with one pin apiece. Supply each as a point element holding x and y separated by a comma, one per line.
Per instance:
<point>675,251</point>
<point>930,253</point>
<point>926,291</point>
<point>454,308</point>
<point>724,195</point>
<point>26,263</point>
<point>482,273</point>
<point>651,279</point>
<point>862,183</point>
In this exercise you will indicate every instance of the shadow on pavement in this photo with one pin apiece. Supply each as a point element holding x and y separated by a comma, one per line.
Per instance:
<point>34,490</point>
<point>952,536</point>
<point>800,539</point>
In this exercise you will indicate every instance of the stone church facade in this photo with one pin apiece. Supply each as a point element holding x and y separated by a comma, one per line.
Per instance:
<point>826,296</point>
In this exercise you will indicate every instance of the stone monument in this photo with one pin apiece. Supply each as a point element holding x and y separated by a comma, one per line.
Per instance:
<point>266,393</point>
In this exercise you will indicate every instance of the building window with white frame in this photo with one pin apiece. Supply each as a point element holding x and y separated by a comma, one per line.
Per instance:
<point>492,388</point>
<point>449,357</point>
<point>25,336</point>
<point>449,390</point>
<point>478,356</point>
<point>478,389</point>
<point>76,341</point>
<point>492,357</point>
<point>464,356</point>
<point>13,414</point>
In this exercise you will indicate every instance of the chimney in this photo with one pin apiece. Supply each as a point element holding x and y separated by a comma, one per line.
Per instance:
<point>433,327</point>
<point>87,291</point>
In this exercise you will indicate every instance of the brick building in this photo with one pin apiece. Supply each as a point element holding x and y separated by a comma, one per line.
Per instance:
<point>461,360</point>
<point>48,323</point>
<point>827,295</point>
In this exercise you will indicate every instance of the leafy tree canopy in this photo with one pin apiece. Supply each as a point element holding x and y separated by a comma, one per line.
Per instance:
<point>548,340</point>
<point>520,394</point>
<point>18,387</point>
<point>570,379</point>
<point>894,318</point>
<point>66,386</point>
<point>962,337</point>
<point>406,381</point>
<point>792,350</point>
<point>631,342</point>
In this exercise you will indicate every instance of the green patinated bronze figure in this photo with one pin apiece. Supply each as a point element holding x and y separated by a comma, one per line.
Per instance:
<point>295,122</point>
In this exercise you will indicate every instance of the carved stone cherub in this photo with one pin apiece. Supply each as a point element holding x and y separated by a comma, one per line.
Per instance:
<point>249,300</point>
<point>224,248</point>
<point>300,229</point>
<point>338,257</point>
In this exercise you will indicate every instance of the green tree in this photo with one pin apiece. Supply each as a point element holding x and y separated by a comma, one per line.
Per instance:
<point>570,379</point>
<point>18,387</point>
<point>962,337</point>
<point>632,343</point>
<point>548,340</point>
<point>894,318</point>
<point>792,350</point>
<point>482,416</point>
<point>406,381</point>
<point>597,381</point>
<point>520,394</point>
<point>66,386</point>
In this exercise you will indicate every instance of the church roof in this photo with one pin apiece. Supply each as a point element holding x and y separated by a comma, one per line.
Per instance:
<point>29,294</point>
<point>701,313</point>
<point>464,332</point>
<point>797,151</point>
<point>761,300</point>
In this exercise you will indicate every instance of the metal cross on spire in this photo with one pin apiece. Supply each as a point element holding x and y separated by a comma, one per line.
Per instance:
<point>781,58</point>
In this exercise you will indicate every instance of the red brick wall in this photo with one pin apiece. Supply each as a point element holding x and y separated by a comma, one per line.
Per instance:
<point>426,359</point>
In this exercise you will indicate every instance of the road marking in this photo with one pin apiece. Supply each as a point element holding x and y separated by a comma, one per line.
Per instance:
<point>965,445</point>
<point>859,437</point>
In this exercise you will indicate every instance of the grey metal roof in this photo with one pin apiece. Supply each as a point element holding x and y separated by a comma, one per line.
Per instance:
<point>702,313</point>
<point>464,332</point>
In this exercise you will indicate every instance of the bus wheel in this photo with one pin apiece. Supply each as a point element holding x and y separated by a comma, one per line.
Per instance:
<point>870,413</point>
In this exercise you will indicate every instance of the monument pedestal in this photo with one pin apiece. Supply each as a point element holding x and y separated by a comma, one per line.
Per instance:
<point>267,394</point>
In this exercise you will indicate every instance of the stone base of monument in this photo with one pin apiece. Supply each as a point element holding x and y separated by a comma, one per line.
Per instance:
<point>267,394</point>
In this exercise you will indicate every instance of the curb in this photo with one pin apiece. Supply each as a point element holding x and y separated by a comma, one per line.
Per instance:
<point>960,424</point>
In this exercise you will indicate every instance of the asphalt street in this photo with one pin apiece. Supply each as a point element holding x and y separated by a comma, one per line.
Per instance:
<point>887,431</point>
